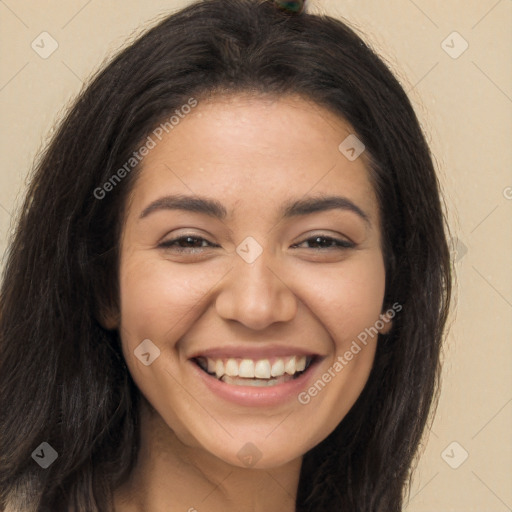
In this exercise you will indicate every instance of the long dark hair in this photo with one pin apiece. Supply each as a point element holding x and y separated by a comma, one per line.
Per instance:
<point>63,377</point>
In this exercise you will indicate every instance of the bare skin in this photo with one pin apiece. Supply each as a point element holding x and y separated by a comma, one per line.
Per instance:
<point>252,155</point>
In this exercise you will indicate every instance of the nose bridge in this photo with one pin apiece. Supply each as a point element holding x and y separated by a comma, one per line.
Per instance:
<point>254,293</point>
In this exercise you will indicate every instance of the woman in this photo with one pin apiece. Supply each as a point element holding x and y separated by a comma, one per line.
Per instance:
<point>229,281</point>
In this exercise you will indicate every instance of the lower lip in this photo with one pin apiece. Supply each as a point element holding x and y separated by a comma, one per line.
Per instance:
<point>253,396</point>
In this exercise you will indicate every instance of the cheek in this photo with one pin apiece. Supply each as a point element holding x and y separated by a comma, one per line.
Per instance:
<point>348,299</point>
<point>346,302</point>
<point>158,297</point>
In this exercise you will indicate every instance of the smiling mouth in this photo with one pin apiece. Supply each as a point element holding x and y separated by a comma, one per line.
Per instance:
<point>255,372</point>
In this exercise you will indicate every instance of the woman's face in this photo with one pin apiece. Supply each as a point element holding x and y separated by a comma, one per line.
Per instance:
<point>265,279</point>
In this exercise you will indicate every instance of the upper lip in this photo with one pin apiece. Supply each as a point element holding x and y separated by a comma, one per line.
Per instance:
<point>252,352</point>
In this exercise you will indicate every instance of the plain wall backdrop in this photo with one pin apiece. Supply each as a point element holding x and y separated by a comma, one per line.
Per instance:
<point>453,58</point>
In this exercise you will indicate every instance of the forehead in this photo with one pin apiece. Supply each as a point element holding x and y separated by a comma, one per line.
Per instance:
<point>255,150</point>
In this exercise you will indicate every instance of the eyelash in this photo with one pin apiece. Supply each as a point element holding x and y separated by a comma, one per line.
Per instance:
<point>339,244</point>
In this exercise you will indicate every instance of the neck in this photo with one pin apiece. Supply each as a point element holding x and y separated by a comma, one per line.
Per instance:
<point>170,474</point>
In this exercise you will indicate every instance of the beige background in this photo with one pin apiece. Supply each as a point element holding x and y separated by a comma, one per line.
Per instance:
<point>465,106</point>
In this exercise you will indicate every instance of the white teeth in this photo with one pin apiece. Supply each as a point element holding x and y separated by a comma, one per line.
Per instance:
<point>289,367</point>
<point>300,365</point>
<point>277,368</point>
<point>254,369</point>
<point>246,369</point>
<point>231,368</point>
<point>262,369</point>
<point>260,383</point>
<point>219,368</point>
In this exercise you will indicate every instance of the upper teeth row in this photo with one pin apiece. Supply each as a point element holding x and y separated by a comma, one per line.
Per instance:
<point>249,368</point>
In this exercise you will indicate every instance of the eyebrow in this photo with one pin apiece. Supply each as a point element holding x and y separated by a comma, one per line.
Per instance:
<point>215,209</point>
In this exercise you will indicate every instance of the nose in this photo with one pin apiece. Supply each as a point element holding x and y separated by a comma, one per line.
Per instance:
<point>256,295</point>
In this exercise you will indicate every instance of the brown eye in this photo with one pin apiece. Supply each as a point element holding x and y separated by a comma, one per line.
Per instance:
<point>327,242</point>
<point>186,243</point>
